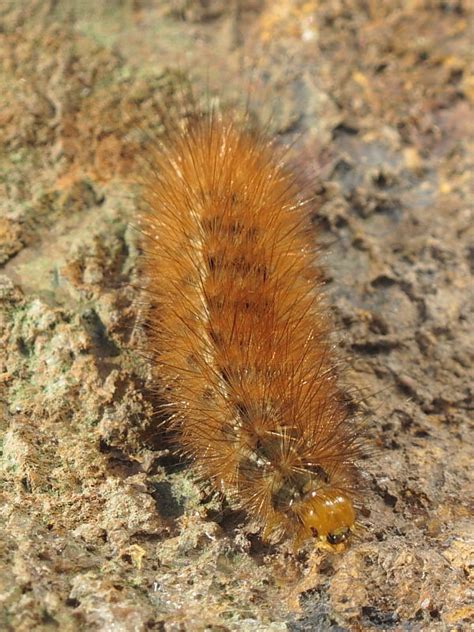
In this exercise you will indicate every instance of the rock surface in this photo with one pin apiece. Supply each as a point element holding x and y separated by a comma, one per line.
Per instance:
<point>100,527</point>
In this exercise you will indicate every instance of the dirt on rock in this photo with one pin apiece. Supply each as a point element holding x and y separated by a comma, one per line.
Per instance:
<point>101,527</point>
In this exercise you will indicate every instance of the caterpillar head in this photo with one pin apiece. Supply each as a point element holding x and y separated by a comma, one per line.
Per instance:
<point>330,517</point>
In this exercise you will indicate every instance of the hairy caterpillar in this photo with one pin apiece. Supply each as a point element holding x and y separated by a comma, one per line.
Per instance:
<point>239,332</point>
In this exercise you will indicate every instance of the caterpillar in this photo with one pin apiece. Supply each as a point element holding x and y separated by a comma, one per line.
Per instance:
<point>239,332</point>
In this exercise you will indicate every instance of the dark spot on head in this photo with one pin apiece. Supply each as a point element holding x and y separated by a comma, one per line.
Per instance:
<point>337,538</point>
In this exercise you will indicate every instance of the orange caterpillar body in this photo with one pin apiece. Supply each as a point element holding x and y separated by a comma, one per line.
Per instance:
<point>239,331</point>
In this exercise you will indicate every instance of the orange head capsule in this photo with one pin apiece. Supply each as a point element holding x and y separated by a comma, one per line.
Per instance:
<point>329,516</point>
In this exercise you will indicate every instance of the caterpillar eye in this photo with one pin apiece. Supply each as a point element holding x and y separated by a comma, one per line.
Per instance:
<point>337,538</point>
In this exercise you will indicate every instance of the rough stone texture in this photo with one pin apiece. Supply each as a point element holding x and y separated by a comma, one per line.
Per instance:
<point>100,528</point>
